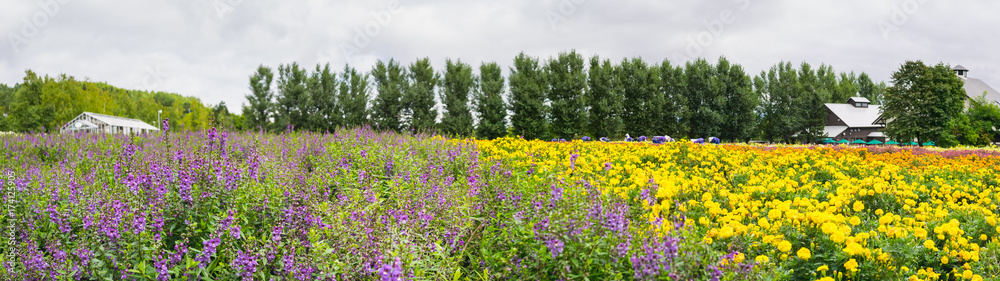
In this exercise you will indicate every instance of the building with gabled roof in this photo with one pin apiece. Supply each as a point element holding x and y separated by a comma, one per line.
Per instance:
<point>975,87</point>
<point>856,119</point>
<point>94,122</point>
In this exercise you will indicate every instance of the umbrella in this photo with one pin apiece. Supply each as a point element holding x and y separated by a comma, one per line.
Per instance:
<point>858,141</point>
<point>911,143</point>
<point>843,141</point>
<point>827,140</point>
<point>892,142</point>
<point>929,143</point>
<point>874,142</point>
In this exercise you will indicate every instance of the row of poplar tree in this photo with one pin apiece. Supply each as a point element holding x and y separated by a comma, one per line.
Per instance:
<point>565,96</point>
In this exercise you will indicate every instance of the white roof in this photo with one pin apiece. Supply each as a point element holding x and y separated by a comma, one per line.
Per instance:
<point>975,88</point>
<point>121,121</point>
<point>876,135</point>
<point>834,131</point>
<point>859,99</point>
<point>84,124</point>
<point>856,117</point>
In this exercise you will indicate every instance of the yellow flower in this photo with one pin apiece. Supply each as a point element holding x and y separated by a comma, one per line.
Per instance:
<point>804,253</point>
<point>944,259</point>
<point>851,265</point>
<point>823,268</point>
<point>858,206</point>
<point>785,246</point>
<point>967,274</point>
<point>855,220</point>
<point>929,244</point>
<point>762,259</point>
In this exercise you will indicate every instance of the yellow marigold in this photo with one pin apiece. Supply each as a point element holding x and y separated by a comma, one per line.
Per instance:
<point>851,265</point>
<point>929,244</point>
<point>855,220</point>
<point>828,278</point>
<point>858,206</point>
<point>804,253</point>
<point>762,259</point>
<point>967,274</point>
<point>823,268</point>
<point>785,246</point>
<point>838,238</point>
<point>944,259</point>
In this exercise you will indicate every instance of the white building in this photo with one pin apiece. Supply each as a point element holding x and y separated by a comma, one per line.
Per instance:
<point>92,122</point>
<point>975,87</point>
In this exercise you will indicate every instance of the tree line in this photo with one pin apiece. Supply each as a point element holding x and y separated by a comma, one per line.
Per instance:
<point>44,103</point>
<point>566,96</point>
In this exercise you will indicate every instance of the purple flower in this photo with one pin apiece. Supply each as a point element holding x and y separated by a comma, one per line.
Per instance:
<point>391,272</point>
<point>555,246</point>
<point>572,160</point>
<point>245,264</point>
<point>166,124</point>
<point>162,268</point>
<point>557,194</point>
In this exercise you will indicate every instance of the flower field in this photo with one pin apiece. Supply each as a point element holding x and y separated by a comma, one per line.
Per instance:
<point>364,205</point>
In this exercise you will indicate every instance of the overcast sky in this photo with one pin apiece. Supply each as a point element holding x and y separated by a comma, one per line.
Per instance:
<point>208,48</point>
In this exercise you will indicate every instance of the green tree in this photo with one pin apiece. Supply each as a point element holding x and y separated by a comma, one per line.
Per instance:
<point>324,110</point>
<point>817,89</point>
<point>847,87</point>
<point>293,101</point>
<point>638,86</point>
<point>603,103</point>
<point>418,102</point>
<point>983,122</point>
<point>779,109</point>
<point>458,83</point>
<point>353,98</point>
<point>739,101</point>
<point>28,113</point>
<point>567,82</point>
<point>6,98</point>
<point>527,90</point>
<point>673,89</point>
<point>923,103</point>
<point>868,89</point>
<point>704,100</point>
<point>390,82</point>
<point>489,102</point>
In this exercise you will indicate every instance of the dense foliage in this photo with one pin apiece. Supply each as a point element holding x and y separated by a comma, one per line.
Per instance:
<point>359,204</point>
<point>43,103</point>
<point>561,97</point>
<point>924,103</point>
